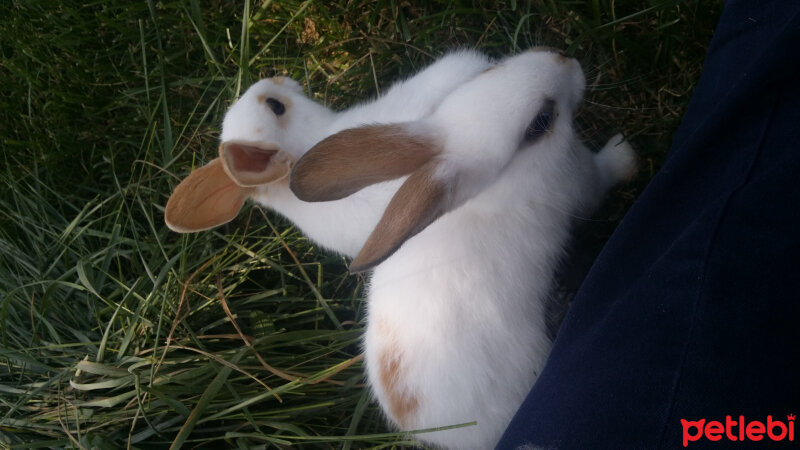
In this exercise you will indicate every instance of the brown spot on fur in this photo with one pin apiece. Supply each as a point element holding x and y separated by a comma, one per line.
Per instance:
<point>401,405</point>
<point>353,159</point>
<point>261,98</point>
<point>278,80</point>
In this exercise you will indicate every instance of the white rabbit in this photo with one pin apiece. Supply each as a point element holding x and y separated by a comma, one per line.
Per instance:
<point>456,326</point>
<point>273,124</point>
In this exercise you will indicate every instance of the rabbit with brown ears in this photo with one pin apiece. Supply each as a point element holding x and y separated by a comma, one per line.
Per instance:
<point>273,124</point>
<point>465,253</point>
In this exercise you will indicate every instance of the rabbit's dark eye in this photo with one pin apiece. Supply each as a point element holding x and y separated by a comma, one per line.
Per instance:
<point>276,106</point>
<point>542,122</point>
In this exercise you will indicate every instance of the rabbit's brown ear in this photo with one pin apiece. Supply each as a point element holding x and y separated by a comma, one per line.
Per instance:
<point>249,164</point>
<point>204,199</point>
<point>353,159</point>
<point>421,199</point>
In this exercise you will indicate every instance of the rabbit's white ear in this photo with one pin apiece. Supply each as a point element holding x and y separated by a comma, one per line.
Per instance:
<point>250,164</point>
<point>204,199</point>
<point>353,159</point>
<point>421,199</point>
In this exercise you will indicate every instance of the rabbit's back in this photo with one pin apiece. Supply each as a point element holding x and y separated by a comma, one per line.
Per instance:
<point>417,96</point>
<point>456,328</point>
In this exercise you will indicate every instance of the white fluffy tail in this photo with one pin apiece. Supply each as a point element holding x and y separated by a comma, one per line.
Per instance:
<point>616,161</point>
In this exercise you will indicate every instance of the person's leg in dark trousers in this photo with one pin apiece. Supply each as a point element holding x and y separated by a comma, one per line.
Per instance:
<point>692,310</point>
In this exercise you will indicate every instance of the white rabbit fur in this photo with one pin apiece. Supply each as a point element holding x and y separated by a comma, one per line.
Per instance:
<point>343,225</point>
<point>456,327</point>
<point>461,306</point>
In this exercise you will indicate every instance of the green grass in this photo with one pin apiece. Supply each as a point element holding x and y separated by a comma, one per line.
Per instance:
<point>117,333</point>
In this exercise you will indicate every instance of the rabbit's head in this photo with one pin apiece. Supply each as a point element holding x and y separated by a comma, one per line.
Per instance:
<point>267,129</point>
<point>263,134</point>
<point>524,102</point>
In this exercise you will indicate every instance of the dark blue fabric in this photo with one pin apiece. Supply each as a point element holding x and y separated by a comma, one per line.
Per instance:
<point>692,309</point>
